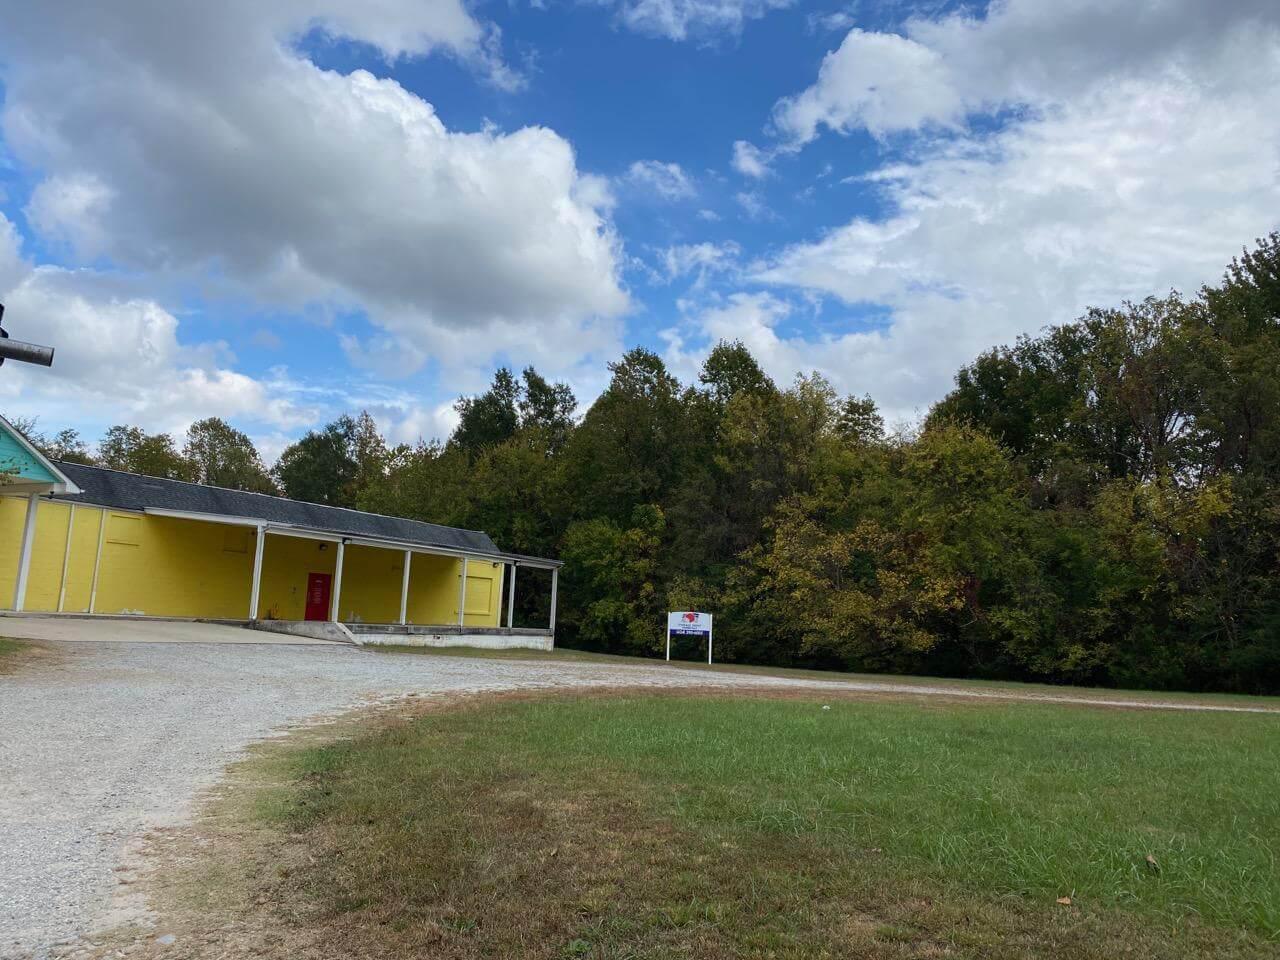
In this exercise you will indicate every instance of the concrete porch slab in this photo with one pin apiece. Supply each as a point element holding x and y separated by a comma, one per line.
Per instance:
<point>127,630</point>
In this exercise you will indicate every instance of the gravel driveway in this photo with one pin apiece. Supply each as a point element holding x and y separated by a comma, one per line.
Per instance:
<point>108,740</point>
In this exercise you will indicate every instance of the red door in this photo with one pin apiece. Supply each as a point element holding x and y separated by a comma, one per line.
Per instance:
<point>318,587</point>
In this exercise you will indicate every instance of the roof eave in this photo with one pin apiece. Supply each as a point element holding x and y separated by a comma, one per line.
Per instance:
<point>386,543</point>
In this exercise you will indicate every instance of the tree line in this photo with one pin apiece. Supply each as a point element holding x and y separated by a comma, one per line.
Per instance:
<point>1097,504</point>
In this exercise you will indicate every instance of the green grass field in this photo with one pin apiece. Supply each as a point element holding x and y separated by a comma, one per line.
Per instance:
<point>566,655</point>
<point>646,826</point>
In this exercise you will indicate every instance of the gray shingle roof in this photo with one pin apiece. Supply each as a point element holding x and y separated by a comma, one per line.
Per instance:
<point>131,491</point>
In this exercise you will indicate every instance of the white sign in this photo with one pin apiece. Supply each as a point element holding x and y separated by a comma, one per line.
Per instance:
<point>689,623</point>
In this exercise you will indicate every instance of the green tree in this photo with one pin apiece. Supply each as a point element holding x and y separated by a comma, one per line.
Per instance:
<point>222,456</point>
<point>611,576</point>
<point>428,482</point>
<point>546,412</point>
<point>321,467</point>
<point>730,371</point>
<point>369,452</point>
<point>489,419</point>
<point>635,442</point>
<point>860,421</point>
<point>134,450</point>
<point>67,445</point>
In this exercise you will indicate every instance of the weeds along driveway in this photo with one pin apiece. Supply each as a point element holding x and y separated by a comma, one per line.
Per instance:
<point>105,741</point>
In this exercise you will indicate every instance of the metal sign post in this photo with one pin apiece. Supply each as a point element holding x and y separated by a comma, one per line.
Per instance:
<point>689,623</point>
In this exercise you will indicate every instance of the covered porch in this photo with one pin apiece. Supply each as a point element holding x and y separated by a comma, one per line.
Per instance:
<point>387,588</point>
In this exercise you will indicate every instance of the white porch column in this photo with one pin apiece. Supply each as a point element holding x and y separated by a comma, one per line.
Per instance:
<point>66,560</point>
<point>24,552</point>
<point>97,560</point>
<point>555,584</point>
<point>462,595</point>
<point>404,587</point>
<point>511,600</point>
<point>336,600</point>
<point>257,571</point>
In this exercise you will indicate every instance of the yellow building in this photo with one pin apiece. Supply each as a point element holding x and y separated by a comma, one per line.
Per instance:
<point>83,540</point>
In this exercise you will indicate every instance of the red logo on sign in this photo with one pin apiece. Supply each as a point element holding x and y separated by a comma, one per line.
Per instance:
<point>691,617</point>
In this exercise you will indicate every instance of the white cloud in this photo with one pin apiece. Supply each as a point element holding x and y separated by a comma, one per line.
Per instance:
<point>684,19</point>
<point>76,199</point>
<point>1124,173</point>
<point>700,258</point>
<point>749,160</point>
<point>421,424</point>
<point>667,180</point>
<point>1023,53</point>
<point>753,205</point>
<point>749,317</point>
<point>835,20</point>
<point>1131,192</point>
<point>12,266</point>
<point>879,81</point>
<point>267,340</point>
<point>189,139</point>
<point>118,359</point>
<point>850,361</point>
<point>568,349</point>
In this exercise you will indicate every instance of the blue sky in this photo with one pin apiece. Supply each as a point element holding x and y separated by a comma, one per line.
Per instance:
<point>275,213</point>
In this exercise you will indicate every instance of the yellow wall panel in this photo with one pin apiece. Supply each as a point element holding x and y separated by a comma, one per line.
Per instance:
<point>13,512</point>
<point>47,550</point>
<point>84,548</point>
<point>44,579</point>
<point>433,589</point>
<point>371,581</point>
<point>479,594</point>
<point>484,593</point>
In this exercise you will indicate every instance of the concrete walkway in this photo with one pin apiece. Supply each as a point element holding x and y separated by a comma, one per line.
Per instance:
<point>66,629</point>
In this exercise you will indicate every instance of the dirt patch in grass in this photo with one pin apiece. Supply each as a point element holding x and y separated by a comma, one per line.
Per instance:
<point>633,824</point>
<point>14,654</point>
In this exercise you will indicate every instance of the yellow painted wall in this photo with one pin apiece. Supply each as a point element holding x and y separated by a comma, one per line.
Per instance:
<point>47,553</point>
<point>12,513</point>
<point>46,556</point>
<point>484,593</point>
<point>286,561</point>
<point>161,566</point>
<point>433,591</point>
<point>84,547</point>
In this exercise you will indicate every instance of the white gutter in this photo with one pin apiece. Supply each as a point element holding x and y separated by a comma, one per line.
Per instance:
<point>202,517</point>
<point>300,534</point>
